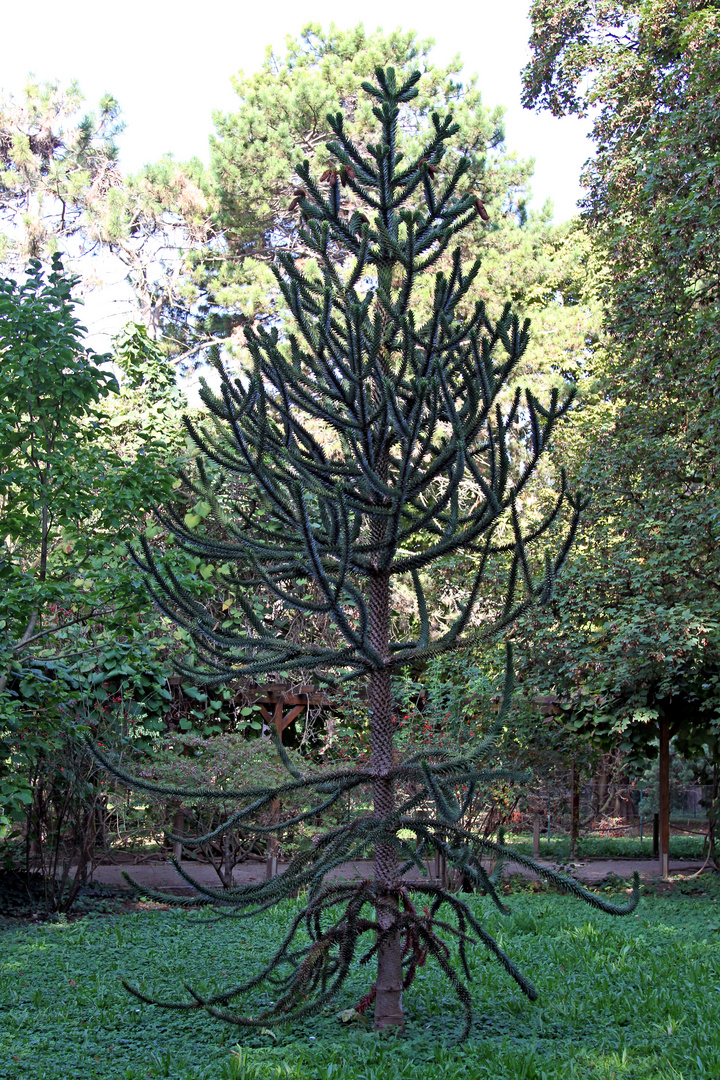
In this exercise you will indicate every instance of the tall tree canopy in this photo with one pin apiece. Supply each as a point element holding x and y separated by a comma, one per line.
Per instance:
<point>649,73</point>
<point>62,190</point>
<point>198,242</point>
<point>653,210</point>
<point>641,631</point>
<point>56,168</point>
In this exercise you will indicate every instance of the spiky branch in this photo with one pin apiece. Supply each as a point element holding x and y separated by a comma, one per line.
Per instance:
<point>324,937</point>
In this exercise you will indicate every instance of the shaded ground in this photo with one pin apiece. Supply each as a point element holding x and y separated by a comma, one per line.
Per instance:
<point>620,999</point>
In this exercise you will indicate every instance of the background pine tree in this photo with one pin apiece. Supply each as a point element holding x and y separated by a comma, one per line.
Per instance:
<point>359,430</point>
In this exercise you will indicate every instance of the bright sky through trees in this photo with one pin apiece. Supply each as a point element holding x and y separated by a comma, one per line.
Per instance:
<point>169,64</point>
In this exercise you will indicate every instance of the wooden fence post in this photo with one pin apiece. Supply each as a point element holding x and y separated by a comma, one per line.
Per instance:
<point>178,828</point>
<point>664,795</point>
<point>441,875</point>
<point>574,810</point>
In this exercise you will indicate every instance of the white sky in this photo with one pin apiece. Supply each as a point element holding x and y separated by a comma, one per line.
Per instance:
<point>169,63</point>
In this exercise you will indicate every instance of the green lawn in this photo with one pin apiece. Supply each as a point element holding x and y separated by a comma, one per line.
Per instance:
<point>633,998</point>
<point>595,846</point>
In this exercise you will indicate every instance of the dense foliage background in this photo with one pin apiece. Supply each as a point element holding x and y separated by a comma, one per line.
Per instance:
<point>624,307</point>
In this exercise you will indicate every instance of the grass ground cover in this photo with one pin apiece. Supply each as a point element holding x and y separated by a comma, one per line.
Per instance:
<point>595,846</point>
<point>620,999</point>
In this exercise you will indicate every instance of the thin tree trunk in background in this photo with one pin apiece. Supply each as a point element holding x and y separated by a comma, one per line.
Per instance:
<point>664,795</point>
<point>178,828</point>
<point>713,816</point>
<point>226,862</point>
<point>272,840</point>
<point>574,809</point>
<point>441,870</point>
<point>388,987</point>
<point>602,786</point>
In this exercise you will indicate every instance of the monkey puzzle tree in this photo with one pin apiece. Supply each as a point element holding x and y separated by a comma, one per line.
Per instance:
<point>358,429</point>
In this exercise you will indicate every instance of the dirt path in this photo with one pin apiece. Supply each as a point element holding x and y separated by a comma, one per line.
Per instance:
<point>164,876</point>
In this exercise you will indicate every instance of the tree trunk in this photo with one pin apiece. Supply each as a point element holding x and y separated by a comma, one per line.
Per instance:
<point>226,875</point>
<point>388,985</point>
<point>664,794</point>
<point>271,860</point>
<point>713,816</point>
<point>602,786</point>
<point>574,809</point>
<point>178,827</point>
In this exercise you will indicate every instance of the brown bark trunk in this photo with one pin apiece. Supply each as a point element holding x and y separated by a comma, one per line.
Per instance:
<point>664,795</point>
<point>574,809</point>
<point>441,870</point>
<point>178,827</point>
<point>388,985</point>
<point>226,875</point>
<point>602,787</point>
<point>713,816</point>
<point>536,835</point>
<point>272,842</point>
